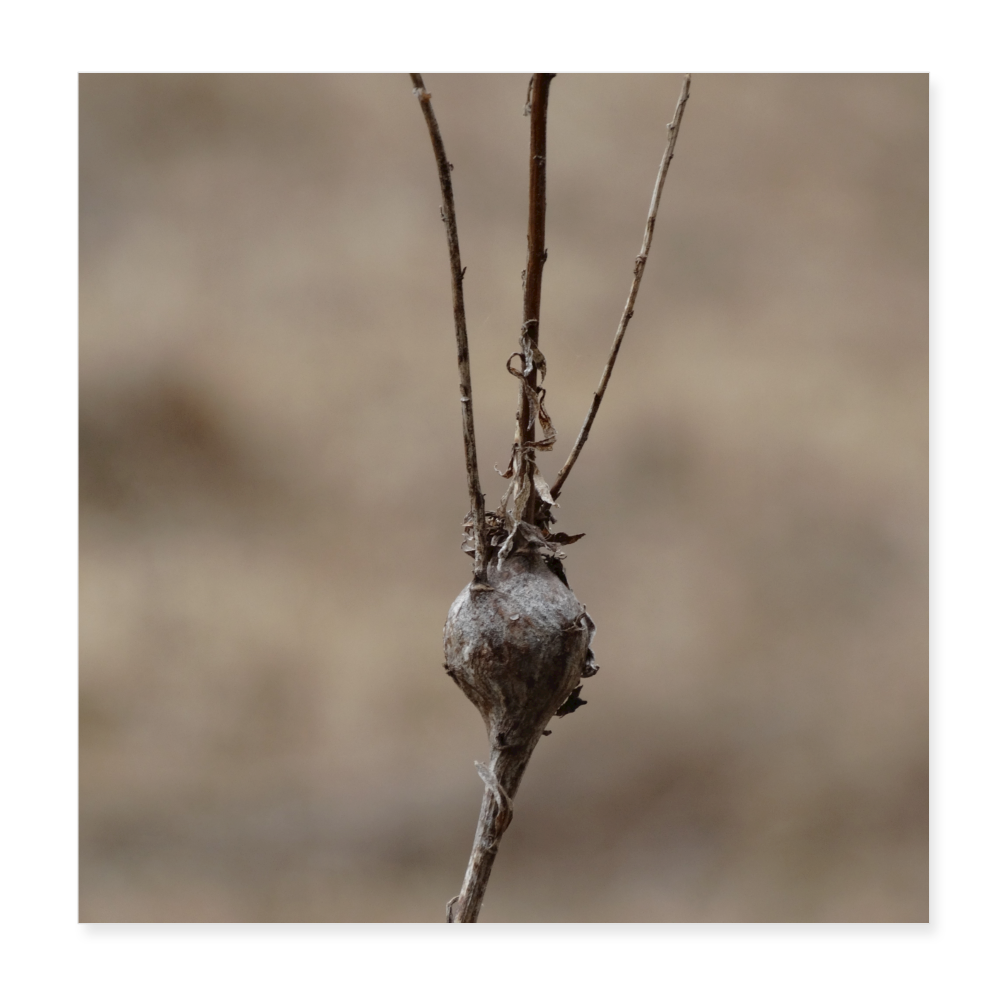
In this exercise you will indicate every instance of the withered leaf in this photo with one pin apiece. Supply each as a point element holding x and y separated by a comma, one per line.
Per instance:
<point>532,357</point>
<point>572,703</point>
<point>510,464</point>
<point>561,538</point>
<point>542,488</point>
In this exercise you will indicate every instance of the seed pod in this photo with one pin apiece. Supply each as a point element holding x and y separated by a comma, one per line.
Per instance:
<point>519,652</point>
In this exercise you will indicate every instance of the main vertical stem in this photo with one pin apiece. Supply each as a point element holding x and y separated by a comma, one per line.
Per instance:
<point>536,250</point>
<point>506,768</point>
<point>507,764</point>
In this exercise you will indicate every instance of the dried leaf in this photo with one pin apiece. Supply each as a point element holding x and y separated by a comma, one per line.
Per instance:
<point>507,547</point>
<point>539,360</point>
<point>522,495</point>
<point>542,488</point>
<point>510,464</point>
<point>534,537</point>
<point>549,439</point>
<point>514,371</point>
<point>532,397</point>
<point>531,360</point>
<point>532,357</point>
<point>572,703</point>
<point>561,538</point>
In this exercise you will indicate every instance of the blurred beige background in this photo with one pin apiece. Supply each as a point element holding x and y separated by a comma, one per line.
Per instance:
<point>272,492</point>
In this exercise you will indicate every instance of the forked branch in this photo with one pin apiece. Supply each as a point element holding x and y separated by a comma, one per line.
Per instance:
<point>640,266</point>
<point>461,336</point>
<point>520,651</point>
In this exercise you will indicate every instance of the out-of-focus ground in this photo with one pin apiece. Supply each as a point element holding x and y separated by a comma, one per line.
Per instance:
<point>272,491</point>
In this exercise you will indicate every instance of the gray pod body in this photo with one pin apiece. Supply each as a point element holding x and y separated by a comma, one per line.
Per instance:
<point>520,650</point>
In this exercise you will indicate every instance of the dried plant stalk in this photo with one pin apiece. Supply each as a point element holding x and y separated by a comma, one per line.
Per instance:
<point>640,266</point>
<point>444,168</point>
<point>517,640</point>
<point>538,108</point>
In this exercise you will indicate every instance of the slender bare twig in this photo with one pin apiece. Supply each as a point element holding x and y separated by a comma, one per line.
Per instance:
<point>461,336</point>
<point>640,265</point>
<point>538,104</point>
<point>501,777</point>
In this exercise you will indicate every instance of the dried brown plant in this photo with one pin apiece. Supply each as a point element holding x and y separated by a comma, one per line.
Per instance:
<point>517,640</point>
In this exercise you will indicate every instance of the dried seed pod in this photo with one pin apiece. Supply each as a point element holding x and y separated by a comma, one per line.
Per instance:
<point>518,651</point>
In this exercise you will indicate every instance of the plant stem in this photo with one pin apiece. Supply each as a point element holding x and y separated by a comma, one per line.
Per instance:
<point>461,336</point>
<point>539,105</point>
<point>502,777</point>
<point>640,266</point>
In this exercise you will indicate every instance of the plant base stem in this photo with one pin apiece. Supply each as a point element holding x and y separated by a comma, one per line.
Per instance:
<point>502,778</point>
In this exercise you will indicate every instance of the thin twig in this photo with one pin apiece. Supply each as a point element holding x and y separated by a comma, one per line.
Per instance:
<point>461,336</point>
<point>538,102</point>
<point>502,777</point>
<point>640,265</point>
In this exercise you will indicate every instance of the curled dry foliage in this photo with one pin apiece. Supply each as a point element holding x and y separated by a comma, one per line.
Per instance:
<point>517,640</point>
